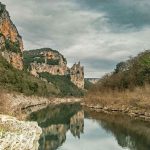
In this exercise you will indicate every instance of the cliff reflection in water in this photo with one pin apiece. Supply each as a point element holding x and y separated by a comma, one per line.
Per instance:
<point>100,130</point>
<point>129,132</point>
<point>56,121</point>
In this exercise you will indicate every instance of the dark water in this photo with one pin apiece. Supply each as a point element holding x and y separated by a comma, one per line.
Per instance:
<point>69,127</point>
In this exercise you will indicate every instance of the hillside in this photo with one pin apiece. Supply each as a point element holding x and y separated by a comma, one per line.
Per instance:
<point>12,76</point>
<point>127,86</point>
<point>130,74</point>
<point>20,71</point>
<point>13,80</point>
<point>51,61</point>
<point>51,66</point>
<point>38,56</point>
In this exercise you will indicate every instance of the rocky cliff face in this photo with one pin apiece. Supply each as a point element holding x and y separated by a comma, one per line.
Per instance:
<point>45,60</point>
<point>11,45</point>
<point>77,75</point>
<point>51,61</point>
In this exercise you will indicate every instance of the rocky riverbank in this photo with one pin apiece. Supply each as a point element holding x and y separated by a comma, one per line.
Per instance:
<point>136,112</point>
<point>24,104</point>
<point>24,135</point>
<point>18,135</point>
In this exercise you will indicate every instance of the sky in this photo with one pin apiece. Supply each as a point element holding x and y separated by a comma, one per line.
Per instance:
<point>98,33</point>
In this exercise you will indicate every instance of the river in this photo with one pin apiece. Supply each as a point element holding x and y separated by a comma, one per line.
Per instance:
<point>70,127</point>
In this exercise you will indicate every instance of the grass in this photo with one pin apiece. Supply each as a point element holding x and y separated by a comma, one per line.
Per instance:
<point>4,104</point>
<point>139,97</point>
<point>128,85</point>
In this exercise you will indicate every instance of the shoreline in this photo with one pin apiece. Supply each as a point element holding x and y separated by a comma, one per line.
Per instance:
<point>18,133</point>
<point>24,105</point>
<point>56,101</point>
<point>125,110</point>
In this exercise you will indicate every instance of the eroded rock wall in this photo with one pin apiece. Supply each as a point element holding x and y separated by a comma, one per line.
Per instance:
<point>10,41</point>
<point>47,60</point>
<point>77,75</point>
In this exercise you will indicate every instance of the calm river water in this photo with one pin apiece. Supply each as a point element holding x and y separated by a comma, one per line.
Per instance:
<point>69,127</point>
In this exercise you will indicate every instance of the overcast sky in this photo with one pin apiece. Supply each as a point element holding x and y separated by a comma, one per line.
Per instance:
<point>99,33</point>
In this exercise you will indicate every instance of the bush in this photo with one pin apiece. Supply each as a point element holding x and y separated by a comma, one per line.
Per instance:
<point>62,83</point>
<point>87,84</point>
<point>129,74</point>
<point>20,81</point>
<point>12,46</point>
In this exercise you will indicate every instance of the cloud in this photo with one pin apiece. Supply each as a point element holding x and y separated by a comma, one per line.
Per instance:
<point>99,33</point>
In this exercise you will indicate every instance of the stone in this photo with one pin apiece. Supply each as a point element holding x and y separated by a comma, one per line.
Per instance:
<point>16,135</point>
<point>9,32</point>
<point>77,75</point>
<point>76,72</point>
<point>55,69</point>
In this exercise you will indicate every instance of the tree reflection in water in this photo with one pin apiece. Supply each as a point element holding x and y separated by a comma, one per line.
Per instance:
<point>56,121</point>
<point>129,132</point>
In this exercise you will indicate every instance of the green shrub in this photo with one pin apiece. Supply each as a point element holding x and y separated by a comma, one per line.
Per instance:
<point>63,83</point>
<point>20,81</point>
<point>87,84</point>
<point>127,75</point>
<point>52,62</point>
<point>12,46</point>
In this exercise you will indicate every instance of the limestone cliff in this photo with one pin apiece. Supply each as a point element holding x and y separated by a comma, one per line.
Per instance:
<point>52,62</point>
<point>11,45</point>
<point>77,75</point>
<point>45,60</point>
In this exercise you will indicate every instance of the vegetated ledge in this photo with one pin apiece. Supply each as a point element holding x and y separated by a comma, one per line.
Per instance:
<point>16,135</point>
<point>128,110</point>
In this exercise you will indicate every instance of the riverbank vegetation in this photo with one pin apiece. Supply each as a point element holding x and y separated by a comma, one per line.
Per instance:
<point>128,84</point>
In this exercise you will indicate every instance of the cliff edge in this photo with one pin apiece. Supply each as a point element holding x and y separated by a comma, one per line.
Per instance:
<point>11,45</point>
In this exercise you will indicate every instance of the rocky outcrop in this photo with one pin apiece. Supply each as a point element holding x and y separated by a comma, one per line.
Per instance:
<point>10,41</point>
<point>45,60</point>
<point>13,58</point>
<point>52,62</point>
<point>16,135</point>
<point>77,75</point>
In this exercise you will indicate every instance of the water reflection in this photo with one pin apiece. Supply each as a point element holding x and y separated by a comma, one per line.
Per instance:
<point>69,127</point>
<point>129,132</point>
<point>56,121</point>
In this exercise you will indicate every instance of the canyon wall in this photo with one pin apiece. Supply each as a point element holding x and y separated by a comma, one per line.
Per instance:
<point>11,45</point>
<point>52,62</point>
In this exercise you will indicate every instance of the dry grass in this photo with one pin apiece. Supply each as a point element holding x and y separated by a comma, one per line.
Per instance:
<point>6,107</point>
<point>4,104</point>
<point>139,97</point>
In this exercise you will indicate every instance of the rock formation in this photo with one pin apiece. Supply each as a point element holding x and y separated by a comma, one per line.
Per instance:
<point>77,75</point>
<point>11,45</point>
<point>18,135</point>
<point>51,61</point>
<point>38,61</point>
